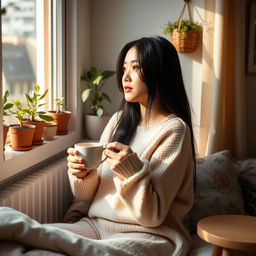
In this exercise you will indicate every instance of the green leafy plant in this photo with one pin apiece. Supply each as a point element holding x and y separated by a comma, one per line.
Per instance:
<point>59,102</point>
<point>19,111</point>
<point>95,80</point>
<point>6,105</point>
<point>33,99</point>
<point>186,25</point>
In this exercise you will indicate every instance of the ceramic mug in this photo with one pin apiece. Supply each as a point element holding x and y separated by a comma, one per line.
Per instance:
<point>91,152</point>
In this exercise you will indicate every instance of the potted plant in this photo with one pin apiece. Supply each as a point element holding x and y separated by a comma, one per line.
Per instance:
<point>95,80</point>
<point>50,130</point>
<point>61,117</point>
<point>21,135</point>
<point>6,107</point>
<point>184,34</point>
<point>35,116</point>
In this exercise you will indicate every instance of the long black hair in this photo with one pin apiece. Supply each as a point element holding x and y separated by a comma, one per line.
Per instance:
<point>160,71</point>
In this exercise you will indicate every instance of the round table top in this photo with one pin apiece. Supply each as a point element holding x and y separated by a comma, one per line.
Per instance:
<point>237,232</point>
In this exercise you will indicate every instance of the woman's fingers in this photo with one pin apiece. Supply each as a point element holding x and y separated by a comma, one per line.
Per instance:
<point>72,151</point>
<point>117,146</point>
<point>76,164</point>
<point>75,159</point>
<point>117,151</point>
<point>79,173</point>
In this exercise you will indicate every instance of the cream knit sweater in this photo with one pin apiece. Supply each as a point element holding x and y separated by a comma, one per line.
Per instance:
<point>151,190</point>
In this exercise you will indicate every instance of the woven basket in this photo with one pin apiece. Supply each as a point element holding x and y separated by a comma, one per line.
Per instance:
<point>185,43</point>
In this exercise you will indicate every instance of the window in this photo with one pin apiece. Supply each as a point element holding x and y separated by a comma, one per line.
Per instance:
<point>34,52</point>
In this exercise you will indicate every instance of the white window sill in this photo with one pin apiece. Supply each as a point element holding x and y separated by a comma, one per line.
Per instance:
<point>16,162</point>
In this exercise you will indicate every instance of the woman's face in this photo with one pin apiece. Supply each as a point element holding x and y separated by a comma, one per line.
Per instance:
<point>135,90</point>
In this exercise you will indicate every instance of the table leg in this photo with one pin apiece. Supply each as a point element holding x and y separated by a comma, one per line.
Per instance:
<point>216,251</point>
<point>227,252</point>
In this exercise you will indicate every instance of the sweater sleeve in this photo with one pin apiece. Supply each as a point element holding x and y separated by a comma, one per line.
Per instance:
<point>149,187</point>
<point>85,188</point>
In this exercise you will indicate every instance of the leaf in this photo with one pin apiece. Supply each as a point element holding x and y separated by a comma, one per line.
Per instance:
<point>46,91</point>
<point>106,97</point>
<point>28,98</point>
<point>46,118</point>
<point>6,95</point>
<point>8,106</point>
<point>27,111</point>
<point>107,74</point>
<point>16,102</point>
<point>99,111</point>
<point>97,80</point>
<point>85,77</point>
<point>41,112</point>
<point>94,72</point>
<point>85,94</point>
<point>37,88</point>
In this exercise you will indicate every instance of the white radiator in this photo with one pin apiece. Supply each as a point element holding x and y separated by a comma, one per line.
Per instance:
<point>44,195</point>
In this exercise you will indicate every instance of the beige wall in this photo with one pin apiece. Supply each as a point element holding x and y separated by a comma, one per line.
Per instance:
<point>114,22</point>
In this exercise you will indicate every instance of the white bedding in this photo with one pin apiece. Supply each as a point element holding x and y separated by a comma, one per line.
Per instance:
<point>21,235</point>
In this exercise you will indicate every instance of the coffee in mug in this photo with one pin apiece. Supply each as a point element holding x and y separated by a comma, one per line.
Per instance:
<point>91,152</point>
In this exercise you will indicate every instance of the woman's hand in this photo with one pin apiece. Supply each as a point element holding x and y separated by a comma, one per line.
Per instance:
<point>116,152</point>
<point>76,164</point>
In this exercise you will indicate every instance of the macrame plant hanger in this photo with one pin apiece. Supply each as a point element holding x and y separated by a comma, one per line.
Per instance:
<point>185,42</point>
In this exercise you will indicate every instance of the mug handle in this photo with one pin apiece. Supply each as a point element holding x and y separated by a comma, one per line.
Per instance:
<point>104,158</point>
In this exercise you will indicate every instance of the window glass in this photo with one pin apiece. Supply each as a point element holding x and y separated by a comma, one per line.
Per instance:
<point>19,43</point>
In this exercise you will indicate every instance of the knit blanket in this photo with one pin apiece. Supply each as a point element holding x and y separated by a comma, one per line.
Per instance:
<point>21,235</point>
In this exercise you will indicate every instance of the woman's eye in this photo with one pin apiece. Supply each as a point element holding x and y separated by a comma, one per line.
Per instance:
<point>123,68</point>
<point>136,67</point>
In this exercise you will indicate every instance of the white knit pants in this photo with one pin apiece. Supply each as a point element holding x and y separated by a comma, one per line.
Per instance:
<point>131,243</point>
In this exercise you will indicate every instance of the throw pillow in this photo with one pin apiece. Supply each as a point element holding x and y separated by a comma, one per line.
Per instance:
<point>217,188</point>
<point>247,180</point>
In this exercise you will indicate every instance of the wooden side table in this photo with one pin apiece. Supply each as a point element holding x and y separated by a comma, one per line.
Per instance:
<point>229,234</point>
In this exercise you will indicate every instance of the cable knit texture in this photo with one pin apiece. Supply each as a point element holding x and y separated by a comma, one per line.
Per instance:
<point>150,191</point>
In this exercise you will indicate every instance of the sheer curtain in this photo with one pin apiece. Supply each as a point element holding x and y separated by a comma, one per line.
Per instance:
<point>222,124</point>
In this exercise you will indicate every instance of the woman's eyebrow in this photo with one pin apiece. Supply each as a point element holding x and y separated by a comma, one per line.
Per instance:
<point>132,61</point>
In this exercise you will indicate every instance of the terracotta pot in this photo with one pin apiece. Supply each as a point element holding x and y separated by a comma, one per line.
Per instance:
<point>62,119</point>
<point>95,125</point>
<point>6,128</point>
<point>40,124</point>
<point>21,137</point>
<point>50,130</point>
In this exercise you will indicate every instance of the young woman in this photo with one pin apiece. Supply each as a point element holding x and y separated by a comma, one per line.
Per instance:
<point>137,199</point>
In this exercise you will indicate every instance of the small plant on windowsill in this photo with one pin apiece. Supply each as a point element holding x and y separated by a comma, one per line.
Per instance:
<point>35,116</point>
<point>6,108</point>
<point>59,102</point>
<point>95,80</point>
<point>21,134</point>
<point>61,117</point>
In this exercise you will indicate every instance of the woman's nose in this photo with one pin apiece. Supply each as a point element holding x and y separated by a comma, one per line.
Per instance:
<point>127,76</point>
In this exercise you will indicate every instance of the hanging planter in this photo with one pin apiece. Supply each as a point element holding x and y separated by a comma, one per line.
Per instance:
<point>184,34</point>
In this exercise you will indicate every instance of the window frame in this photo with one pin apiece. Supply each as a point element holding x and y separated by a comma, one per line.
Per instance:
<point>14,163</point>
